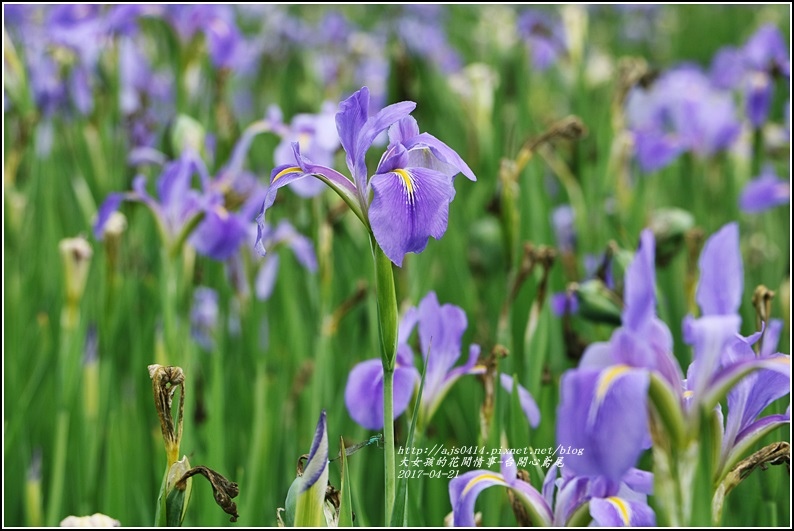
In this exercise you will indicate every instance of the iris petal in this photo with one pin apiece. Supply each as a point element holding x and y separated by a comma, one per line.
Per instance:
<point>407,208</point>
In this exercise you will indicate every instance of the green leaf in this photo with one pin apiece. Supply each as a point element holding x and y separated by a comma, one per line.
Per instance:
<point>518,433</point>
<point>597,302</point>
<point>172,503</point>
<point>346,502</point>
<point>668,408</point>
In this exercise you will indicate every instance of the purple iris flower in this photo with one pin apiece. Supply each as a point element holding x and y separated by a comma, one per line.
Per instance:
<point>545,37</point>
<point>764,192</point>
<point>412,186</point>
<point>748,398</point>
<point>80,27</point>
<point>752,68</point>
<point>767,50</point>
<point>721,351</point>
<point>719,295</point>
<point>441,329</point>
<point>604,401</point>
<point>681,111</point>
<point>217,23</point>
<point>622,506</point>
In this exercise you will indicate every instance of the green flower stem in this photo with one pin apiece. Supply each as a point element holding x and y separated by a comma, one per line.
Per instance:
<point>56,492</point>
<point>388,438</point>
<point>387,318</point>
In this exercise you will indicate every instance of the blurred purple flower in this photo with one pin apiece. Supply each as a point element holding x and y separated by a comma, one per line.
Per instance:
<point>545,37</point>
<point>764,192</point>
<point>767,51</point>
<point>727,68</point>
<point>421,29</point>
<point>412,186</point>
<point>680,112</point>
<point>752,69</point>
<point>218,25</point>
<point>212,229</point>
<point>563,303</point>
<point>718,351</point>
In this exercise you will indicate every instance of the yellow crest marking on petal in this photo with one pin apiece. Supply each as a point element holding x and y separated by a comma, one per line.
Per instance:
<point>482,477</point>
<point>623,509</point>
<point>605,380</point>
<point>608,377</point>
<point>688,394</point>
<point>408,181</point>
<point>285,171</point>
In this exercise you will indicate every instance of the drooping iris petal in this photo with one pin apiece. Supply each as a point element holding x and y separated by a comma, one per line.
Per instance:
<point>617,512</point>
<point>266,278</point>
<point>719,290</point>
<point>528,405</point>
<point>301,245</point>
<point>408,207</point>
<point>747,400</point>
<point>364,392</point>
<point>605,414</point>
<point>463,492</point>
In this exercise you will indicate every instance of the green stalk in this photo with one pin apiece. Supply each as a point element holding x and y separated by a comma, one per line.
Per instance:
<point>387,325</point>
<point>56,493</point>
<point>388,437</point>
